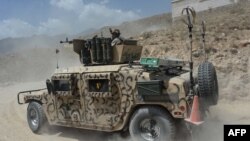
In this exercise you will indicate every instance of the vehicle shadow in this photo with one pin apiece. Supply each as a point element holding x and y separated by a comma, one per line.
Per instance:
<point>88,135</point>
<point>182,133</point>
<point>82,135</point>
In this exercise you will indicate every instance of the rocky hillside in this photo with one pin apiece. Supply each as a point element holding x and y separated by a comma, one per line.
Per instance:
<point>227,45</point>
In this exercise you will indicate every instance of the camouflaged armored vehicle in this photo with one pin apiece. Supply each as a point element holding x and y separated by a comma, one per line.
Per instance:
<point>112,91</point>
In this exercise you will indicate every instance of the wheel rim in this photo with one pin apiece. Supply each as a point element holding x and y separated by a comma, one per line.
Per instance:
<point>33,117</point>
<point>150,129</point>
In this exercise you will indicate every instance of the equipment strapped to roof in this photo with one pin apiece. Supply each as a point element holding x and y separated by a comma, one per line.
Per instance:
<point>157,62</point>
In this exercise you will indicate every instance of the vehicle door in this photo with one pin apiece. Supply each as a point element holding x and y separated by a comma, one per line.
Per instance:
<point>102,99</point>
<point>67,98</point>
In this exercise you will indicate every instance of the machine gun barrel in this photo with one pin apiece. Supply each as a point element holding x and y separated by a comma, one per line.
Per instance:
<point>66,41</point>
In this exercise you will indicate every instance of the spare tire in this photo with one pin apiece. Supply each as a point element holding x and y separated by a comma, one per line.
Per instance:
<point>208,83</point>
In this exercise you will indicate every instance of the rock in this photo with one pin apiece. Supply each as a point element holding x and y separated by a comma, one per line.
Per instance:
<point>219,56</point>
<point>141,38</point>
<point>146,35</point>
<point>234,51</point>
<point>244,43</point>
<point>211,50</point>
<point>197,53</point>
<point>153,43</point>
<point>214,50</point>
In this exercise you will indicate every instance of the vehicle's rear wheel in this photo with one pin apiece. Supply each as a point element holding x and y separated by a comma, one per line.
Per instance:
<point>35,116</point>
<point>151,124</point>
<point>208,83</point>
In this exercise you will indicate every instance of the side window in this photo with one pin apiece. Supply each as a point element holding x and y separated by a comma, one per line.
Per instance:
<point>98,85</point>
<point>61,85</point>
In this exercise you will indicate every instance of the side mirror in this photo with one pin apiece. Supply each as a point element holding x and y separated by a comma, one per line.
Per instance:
<point>50,87</point>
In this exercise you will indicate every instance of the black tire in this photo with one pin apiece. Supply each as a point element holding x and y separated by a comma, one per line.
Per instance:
<point>124,134</point>
<point>151,123</point>
<point>35,116</point>
<point>208,83</point>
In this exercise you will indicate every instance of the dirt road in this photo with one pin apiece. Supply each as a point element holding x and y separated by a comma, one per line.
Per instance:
<point>15,128</point>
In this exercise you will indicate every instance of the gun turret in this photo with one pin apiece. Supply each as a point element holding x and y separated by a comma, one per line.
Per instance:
<point>99,51</point>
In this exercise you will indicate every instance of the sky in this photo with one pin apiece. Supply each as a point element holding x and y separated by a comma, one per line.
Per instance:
<point>23,18</point>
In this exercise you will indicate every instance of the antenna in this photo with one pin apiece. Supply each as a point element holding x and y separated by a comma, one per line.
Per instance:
<point>190,12</point>
<point>203,33</point>
<point>57,52</point>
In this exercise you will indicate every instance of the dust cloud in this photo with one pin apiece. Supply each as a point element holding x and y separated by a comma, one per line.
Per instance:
<point>28,69</point>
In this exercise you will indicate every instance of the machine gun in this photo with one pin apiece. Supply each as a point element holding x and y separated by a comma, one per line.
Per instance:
<point>98,51</point>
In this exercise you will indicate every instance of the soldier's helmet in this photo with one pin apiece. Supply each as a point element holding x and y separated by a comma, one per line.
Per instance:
<point>116,33</point>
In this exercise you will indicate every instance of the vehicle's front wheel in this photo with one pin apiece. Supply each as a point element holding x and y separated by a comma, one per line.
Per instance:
<point>151,124</point>
<point>35,116</point>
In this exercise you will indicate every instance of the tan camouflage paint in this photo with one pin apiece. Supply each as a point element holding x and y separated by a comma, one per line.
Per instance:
<point>105,111</point>
<point>124,53</point>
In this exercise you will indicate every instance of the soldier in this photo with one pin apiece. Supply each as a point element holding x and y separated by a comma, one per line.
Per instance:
<point>116,38</point>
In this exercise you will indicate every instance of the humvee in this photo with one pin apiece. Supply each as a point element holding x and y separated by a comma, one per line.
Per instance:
<point>112,91</point>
